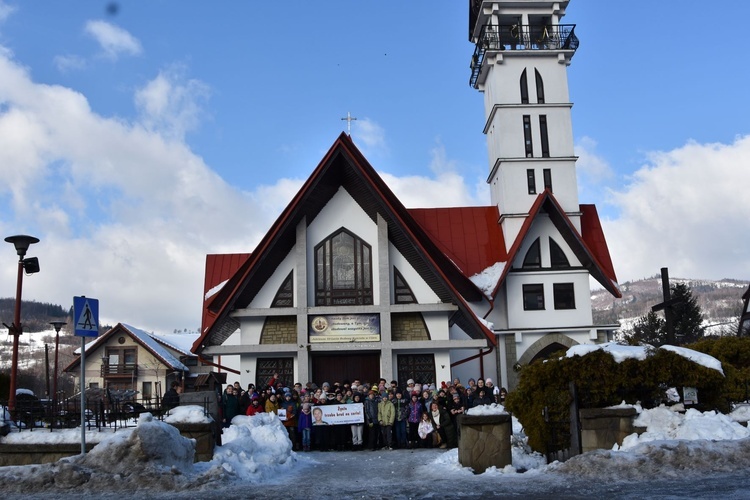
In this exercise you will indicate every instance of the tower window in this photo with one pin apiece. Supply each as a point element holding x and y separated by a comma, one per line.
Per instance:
<point>557,256</point>
<point>524,88</point>
<point>531,180</point>
<point>343,271</point>
<point>539,87</point>
<point>544,136</point>
<point>533,297</point>
<point>547,172</point>
<point>533,258</point>
<point>527,136</point>
<point>564,294</point>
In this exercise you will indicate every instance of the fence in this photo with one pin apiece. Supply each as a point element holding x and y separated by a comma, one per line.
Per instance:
<point>103,409</point>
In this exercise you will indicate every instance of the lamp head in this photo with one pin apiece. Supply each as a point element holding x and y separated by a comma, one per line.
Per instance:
<point>57,325</point>
<point>22,243</point>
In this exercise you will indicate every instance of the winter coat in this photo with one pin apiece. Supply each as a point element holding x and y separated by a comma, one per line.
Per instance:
<point>415,411</point>
<point>231,406</point>
<point>425,428</point>
<point>304,420</point>
<point>272,406</point>
<point>254,410</point>
<point>402,409</point>
<point>291,414</point>
<point>386,412</point>
<point>445,422</point>
<point>371,411</point>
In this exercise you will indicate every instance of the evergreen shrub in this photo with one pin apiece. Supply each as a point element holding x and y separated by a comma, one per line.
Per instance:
<point>601,382</point>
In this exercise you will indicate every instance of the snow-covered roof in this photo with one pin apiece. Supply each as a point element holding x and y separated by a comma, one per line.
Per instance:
<point>156,347</point>
<point>622,352</point>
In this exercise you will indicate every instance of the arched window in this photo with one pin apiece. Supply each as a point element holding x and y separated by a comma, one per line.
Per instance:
<point>533,258</point>
<point>343,271</point>
<point>524,88</point>
<point>557,256</point>
<point>539,87</point>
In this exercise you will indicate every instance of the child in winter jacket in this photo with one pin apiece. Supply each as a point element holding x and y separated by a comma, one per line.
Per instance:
<point>304,425</point>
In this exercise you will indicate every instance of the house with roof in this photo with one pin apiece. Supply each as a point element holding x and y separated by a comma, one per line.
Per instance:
<point>128,358</point>
<point>348,283</point>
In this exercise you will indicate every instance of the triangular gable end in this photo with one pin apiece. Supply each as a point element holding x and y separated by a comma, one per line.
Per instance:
<point>343,165</point>
<point>602,273</point>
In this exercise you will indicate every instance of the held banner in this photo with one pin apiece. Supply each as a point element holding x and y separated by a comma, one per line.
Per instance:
<point>344,328</point>
<point>338,414</point>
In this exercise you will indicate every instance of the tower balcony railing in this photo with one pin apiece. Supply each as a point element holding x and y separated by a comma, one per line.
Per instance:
<point>521,37</point>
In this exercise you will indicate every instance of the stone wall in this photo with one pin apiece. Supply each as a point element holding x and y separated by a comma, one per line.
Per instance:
<point>279,330</point>
<point>602,428</point>
<point>27,454</point>
<point>484,441</point>
<point>408,326</point>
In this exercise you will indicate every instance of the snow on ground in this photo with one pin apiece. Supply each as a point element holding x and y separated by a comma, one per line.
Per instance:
<point>256,453</point>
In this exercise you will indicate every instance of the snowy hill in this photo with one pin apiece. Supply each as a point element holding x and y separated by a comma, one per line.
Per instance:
<point>719,300</point>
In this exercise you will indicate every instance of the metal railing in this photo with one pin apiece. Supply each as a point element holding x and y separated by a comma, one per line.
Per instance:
<point>102,411</point>
<point>521,37</point>
<point>124,369</point>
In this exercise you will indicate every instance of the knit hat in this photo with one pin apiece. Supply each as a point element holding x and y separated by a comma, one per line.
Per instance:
<point>410,382</point>
<point>456,395</point>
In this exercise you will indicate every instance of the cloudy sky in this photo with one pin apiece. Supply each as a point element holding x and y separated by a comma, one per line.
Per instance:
<point>136,137</point>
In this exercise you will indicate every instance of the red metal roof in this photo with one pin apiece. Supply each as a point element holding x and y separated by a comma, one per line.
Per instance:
<point>593,235</point>
<point>219,268</point>
<point>470,236</point>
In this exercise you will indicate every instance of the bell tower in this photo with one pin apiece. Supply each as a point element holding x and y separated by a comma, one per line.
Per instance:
<point>520,62</point>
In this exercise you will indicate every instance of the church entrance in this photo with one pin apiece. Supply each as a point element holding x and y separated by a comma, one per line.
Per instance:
<point>339,367</point>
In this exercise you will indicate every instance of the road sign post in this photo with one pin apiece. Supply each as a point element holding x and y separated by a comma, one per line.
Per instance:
<point>86,317</point>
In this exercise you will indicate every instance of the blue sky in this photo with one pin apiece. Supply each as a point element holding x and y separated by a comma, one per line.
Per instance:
<point>134,141</point>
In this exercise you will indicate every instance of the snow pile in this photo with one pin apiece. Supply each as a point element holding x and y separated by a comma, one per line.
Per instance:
<point>151,444</point>
<point>487,280</point>
<point>253,448</point>
<point>491,409</point>
<point>664,424</point>
<point>188,414</point>
<point>741,413</point>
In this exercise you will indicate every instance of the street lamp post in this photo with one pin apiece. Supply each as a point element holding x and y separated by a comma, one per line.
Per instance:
<point>31,265</point>
<point>57,325</point>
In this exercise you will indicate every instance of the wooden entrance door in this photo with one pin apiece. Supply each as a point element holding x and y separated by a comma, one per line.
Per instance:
<point>339,367</point>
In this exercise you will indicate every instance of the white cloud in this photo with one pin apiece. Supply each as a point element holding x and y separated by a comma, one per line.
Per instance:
<point>591,167</point>
<point>687,210</point>
<point>69,62</point>
<point>369,137</point>
<point>5,11</point>
<point>124,213</point>
<point>113,39</point>
<point>170,104</point>
<point>446,189</point>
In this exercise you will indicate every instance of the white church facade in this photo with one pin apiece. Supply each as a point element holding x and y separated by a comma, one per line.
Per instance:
<point>349,284</point>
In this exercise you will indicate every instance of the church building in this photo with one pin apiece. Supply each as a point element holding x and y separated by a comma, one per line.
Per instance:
<point>350,284</point>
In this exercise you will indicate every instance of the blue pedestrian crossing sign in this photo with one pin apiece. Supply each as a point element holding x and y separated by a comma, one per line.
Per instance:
<point>86,314</point>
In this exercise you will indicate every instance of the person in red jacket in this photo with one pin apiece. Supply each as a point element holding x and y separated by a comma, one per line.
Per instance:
<point>254,408</point>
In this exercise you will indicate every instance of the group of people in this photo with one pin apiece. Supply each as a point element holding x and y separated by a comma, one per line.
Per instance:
<point>395,416</point>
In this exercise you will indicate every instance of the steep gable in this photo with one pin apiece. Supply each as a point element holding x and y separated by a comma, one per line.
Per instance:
<point>343,166</point>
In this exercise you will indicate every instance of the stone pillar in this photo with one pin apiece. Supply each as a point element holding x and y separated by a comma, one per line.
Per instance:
<point>484,441</point>
<point>602,428</point>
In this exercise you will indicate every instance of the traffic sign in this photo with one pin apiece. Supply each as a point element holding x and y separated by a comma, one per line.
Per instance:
<point>86,314</point>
